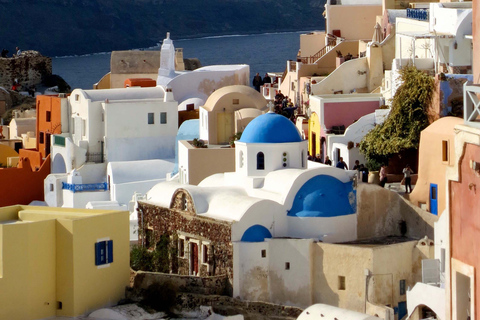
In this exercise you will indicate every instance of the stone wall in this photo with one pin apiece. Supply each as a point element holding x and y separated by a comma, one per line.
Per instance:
<point>29,68</point>
<point>182,224</point>
<point>216,285</point>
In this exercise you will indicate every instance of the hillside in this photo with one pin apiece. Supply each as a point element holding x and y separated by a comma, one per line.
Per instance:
<point>67,27</point>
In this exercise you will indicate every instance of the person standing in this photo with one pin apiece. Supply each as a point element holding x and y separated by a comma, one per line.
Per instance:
<point>328,161</point>
<point>257,82</point>
<point>18,51</point>
<point>408,179</point>
<point>267,79</point>
<point>357,165</point>
<point>383,175</point>
<point>341,164</point>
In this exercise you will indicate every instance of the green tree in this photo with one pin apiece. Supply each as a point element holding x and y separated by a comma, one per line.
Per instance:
<point>408,117</point>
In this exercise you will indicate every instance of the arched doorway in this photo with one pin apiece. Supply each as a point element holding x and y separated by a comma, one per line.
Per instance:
<point>58,164</point>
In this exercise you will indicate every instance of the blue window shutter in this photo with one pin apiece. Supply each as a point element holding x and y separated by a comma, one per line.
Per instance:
<point>100,253</point>
<point>109,251</point>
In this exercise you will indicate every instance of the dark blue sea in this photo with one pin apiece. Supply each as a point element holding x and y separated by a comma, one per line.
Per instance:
<point>263,52</point>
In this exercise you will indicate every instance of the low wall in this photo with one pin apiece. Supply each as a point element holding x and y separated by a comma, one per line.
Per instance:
<point>226,306</point>
<point>380,212</point>
<point>216,285</point>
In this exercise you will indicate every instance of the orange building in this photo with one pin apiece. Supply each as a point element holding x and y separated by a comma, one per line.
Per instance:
<point>24,184</point>
<point>49,120</point>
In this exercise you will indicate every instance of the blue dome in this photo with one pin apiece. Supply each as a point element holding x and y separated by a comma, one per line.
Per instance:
<point>324,196</point>
<point>256,233</point>
<point>270,128</point>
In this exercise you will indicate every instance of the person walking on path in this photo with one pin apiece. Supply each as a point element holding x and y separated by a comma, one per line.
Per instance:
<point>408,179</point>
<point>383,175</point>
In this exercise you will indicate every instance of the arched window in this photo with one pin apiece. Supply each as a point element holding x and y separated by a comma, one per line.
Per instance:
<point>260,161</point>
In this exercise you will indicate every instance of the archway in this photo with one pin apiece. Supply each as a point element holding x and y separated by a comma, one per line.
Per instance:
<point>58,164</point>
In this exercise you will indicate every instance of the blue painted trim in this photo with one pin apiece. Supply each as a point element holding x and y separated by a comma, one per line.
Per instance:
<point>256,233</point>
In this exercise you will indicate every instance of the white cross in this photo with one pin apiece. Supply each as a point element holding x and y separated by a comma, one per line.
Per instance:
<point>270,106</point>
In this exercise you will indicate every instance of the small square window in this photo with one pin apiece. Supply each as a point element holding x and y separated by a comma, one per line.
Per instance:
<point>190,107</point>
<point>236,101</point>
<point>264,253</point>
<point>341,283</point>
<point>445,151</point>
<point>49,116</point>
<point>287,265</point>
<point>151,118</point>
<point>77,97</point>
<point>103,252</point>
<point>402,287</point>
<point>163,117</point>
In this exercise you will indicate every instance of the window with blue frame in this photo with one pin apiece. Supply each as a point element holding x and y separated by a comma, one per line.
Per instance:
<point>103,252</point>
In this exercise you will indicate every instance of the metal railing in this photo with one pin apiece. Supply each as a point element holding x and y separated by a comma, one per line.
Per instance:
<point>417,14</point>
<point>85,187</point>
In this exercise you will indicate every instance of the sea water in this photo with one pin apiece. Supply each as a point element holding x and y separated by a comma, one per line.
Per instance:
<point>266,52</point>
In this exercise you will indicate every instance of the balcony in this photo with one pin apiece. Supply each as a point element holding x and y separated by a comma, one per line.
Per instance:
<point>471,104</point>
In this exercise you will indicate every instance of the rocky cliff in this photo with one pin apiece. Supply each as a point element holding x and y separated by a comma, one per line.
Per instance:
<point>67,27</point>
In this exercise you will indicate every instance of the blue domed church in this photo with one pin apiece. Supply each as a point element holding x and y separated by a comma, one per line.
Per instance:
<point>270,210</point>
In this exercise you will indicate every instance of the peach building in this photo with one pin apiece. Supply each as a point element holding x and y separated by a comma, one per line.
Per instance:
<point>436,154</point>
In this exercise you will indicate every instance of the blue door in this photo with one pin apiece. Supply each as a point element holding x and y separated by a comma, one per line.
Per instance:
<point>433,199</point>
<point>402,309</point>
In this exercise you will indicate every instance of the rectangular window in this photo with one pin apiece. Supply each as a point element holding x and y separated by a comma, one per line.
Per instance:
<point>51,187</point>
<point>341,283</point>
<point>445,151</point>
<point>287,265</point>
<point>264,253</point>
<point>181,248</point>
<point>190,107</point>
<point>402,287</point>
<point>49,116</point>
<point>151,118</point>
<point>163,117</point>
<point>77,97</point>
<point>41,138</point>
<point>236,101</point>
<point>103,252</point>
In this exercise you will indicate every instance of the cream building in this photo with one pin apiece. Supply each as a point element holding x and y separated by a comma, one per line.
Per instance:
<point>61,262</point>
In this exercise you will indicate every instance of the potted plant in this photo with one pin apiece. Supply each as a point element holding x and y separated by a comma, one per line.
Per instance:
<point>234,138</point>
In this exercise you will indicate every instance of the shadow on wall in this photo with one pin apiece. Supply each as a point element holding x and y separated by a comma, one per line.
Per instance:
<point>381,212</point>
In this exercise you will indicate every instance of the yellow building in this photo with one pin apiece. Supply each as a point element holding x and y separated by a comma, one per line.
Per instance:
<point>61,262</point>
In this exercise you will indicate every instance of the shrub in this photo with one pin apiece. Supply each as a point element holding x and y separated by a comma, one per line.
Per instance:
<point>141,258</point>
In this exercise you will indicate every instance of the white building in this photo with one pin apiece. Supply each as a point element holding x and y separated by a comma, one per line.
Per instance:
<point>109,126</point>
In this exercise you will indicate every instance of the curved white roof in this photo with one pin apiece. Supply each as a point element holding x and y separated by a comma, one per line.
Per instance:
<point>141,170</point>
<point>121,94</point>
<point>223,203</point>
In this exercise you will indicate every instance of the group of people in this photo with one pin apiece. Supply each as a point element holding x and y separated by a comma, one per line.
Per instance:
<point>407,171</point>
<point>407,175</point>
<point>5,52</point>
<point>258,81</point>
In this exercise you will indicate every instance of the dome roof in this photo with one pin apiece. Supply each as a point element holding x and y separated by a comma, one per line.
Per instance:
<point>270,128</point>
